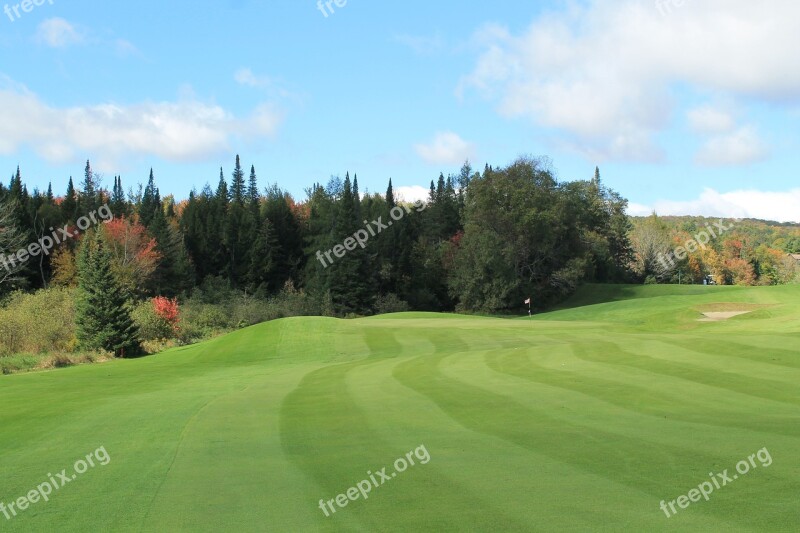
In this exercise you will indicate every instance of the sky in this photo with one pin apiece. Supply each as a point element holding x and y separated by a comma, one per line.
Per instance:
<point>687,106</point>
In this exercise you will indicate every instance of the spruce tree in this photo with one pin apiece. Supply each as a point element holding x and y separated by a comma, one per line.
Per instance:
<point>265,248</point>
<point>151,202</point>
<point>390,195</point>
<point>253,197</point>
<point>88,199</point>
<point>238,192</point>
<point>103,315</point>
<point>350,276</point>
<point>69,207</point>
<point>119,206</point>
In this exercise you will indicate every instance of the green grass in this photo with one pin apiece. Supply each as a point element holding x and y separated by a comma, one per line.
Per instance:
<point>583,419</point>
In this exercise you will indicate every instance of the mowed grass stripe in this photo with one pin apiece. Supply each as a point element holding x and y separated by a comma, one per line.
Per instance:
<point>610,353</point>
<point>660,400</point>
<point>615,460</point>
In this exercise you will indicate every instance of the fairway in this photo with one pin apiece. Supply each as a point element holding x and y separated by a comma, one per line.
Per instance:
<point>582,419</point>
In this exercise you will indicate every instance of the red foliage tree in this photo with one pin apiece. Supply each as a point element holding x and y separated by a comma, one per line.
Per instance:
<point>168,310</point>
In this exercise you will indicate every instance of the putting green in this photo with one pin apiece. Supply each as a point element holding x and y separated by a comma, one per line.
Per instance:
<point>583,419</point>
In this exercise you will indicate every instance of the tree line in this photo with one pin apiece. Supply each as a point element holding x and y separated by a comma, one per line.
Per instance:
<point>486,240</point>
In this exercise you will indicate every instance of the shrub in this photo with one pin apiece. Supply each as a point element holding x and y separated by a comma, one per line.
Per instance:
<point>38,323</point>
<point>390,303</point>
<point>152,327</point>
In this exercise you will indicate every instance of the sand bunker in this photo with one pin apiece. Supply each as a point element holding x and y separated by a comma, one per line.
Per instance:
<point>716,316</point>
<point>717,312</point>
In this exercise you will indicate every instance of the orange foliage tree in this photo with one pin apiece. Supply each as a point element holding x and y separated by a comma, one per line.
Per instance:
<point>134,253</point>
<point>167,310</point>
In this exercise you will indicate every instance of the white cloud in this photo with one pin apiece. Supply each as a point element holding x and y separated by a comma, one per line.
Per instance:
<point>602,72</point>
<point>446,148</point>
<point>183,130</point>
<point>245,76</point>
<point>412,194</point>
<point>710,120</point>
<point>271,87</point>
<point>740,147</point>
<point>765,205</point>
<point>58,33</point>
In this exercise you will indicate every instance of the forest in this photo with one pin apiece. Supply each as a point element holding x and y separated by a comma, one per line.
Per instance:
<point>133,269</point>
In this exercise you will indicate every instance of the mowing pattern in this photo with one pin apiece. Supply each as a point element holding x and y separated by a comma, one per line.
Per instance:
<point>581,420</point>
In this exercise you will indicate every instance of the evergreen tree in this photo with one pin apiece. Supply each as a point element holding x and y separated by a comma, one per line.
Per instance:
<point>262,269</point>
<point>350,277</point>
<point>238,192</point>
<point>69,206</point>
<point>88,199</point>
<point>151,202</point>
<point>253,196</point>
<point>103,316</point>
<point>119,206</point>
<point>289,254</point>
<point>390,195</point>
<point>174,272</point>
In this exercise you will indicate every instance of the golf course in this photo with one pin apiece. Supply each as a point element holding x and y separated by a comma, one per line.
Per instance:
<point>585,418</point>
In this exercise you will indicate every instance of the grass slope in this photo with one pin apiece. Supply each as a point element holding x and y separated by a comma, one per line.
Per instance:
<point>583,419</point>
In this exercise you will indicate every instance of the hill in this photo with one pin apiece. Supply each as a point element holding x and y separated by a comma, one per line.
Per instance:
<point>582,419</point>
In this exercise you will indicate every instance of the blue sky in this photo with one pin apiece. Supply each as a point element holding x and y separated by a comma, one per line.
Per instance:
<point>689,109</point>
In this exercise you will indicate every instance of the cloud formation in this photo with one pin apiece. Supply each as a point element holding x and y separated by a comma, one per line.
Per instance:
<point>446,148</point>
<point>602,74</point>
<point>185,130</point>
<point>764,205</point>
<point>58,33</point>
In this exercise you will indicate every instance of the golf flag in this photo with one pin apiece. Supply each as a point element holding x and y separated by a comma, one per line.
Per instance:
<point>528,301</point>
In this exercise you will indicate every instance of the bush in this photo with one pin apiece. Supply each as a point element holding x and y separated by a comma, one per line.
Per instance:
<point>38,323</point>
<point>390,303</point>
<point>152,327</point>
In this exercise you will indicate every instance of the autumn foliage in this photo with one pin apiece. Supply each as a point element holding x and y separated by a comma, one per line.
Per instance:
<point>167,310</point>
<point>135,257</point>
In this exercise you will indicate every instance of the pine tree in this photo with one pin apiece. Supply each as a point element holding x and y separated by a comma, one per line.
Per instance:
<point>103,315</point>
<point>69,207</point>
<point>119,206</point>
<point>289,255</point>
<point>254,198</point>
<point>89,195</point>
<point>151,202</point>
<point>238,193</point>
<point>350,277</point>
<point>356,197</point>
<point>261,274</point>
<point>174,272</point>
<point>390,195</point>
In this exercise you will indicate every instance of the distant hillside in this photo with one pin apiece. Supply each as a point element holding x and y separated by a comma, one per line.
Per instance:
<point>691,249</point>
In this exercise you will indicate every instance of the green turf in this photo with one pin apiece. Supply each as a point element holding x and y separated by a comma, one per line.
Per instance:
<point>583,419</point>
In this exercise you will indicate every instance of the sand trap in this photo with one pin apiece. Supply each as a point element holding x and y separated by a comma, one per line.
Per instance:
<point>717,316</point>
